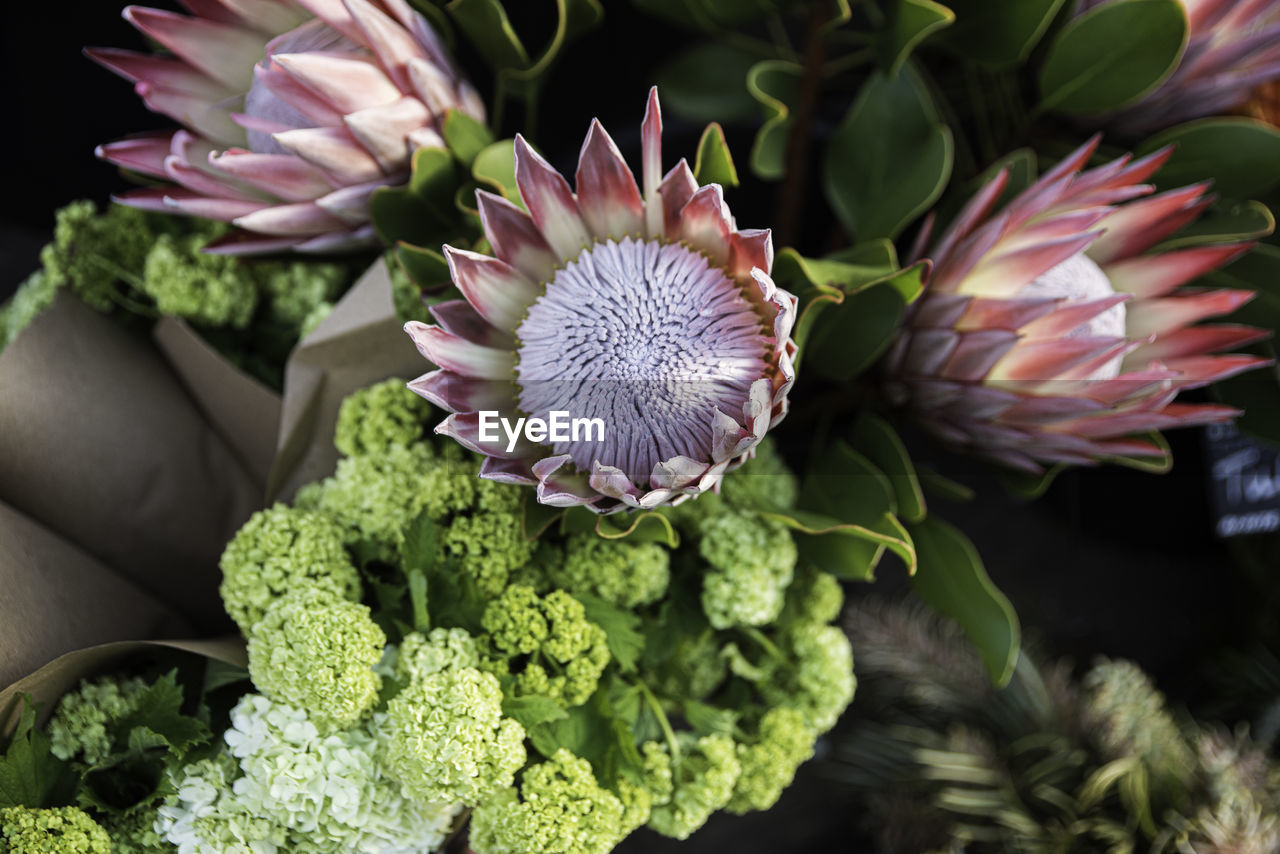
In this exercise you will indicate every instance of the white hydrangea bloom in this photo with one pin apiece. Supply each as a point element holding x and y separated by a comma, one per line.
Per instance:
<point>281,786</point>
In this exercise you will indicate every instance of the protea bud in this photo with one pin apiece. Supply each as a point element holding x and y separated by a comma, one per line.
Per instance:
<point>1048,333</point>
<point>648,312</point>
<point>1233,46</point>
<point>295,112</point>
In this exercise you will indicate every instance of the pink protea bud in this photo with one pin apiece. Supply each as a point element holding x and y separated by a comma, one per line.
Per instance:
<point>294,113</point>
<point>648,311</point>
<point>1049,333</point>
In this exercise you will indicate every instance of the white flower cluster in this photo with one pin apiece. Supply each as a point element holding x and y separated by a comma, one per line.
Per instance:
<point>283,787</point>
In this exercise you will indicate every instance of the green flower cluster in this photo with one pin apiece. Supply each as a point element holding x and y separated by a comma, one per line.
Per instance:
<point>316,651</point>
<point>207,289</point>
<point>622,573</point>
<point>78,729</point>
<point>375,418</point>
<point>61,830</point>
<point>703,777</point>
<point>547,643</point>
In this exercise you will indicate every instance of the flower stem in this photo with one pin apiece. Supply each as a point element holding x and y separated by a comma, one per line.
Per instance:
<point>656,706</point>
<point>796,173</point>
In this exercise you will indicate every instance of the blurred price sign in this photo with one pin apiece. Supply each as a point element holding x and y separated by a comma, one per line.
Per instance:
<point>1244,482</point>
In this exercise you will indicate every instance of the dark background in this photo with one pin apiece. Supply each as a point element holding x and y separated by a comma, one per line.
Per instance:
<point>1109,562</point>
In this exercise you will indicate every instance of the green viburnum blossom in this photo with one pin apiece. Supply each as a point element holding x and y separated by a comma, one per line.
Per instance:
<point>283,787</point>
<point>204,288</point>
<point>813,597</point>
<point>762,483</point>
<point>752,561</point>
<point>134,832</point>
<point>623,573</point>
<point>769,765</point>
<point>375,418</point>
<point>703,780</point>
<point>92,254</point>
<point>79,727</point>
<point>32,297</point>
<point>559,808</point>
<point>62,830</point>
<point>563,653</point>
<point>315,651</point>
<point>277,550</point>
<point>445,736</point>
<point>817,679</point>
<point>293,290</point>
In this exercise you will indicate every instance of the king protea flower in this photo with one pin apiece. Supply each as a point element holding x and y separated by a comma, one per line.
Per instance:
<point>295,112</point>
<point>1233,46</point>
<point>1048,333</point>
<point>649,311</point>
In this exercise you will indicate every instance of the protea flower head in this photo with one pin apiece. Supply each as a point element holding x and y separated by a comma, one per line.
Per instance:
<point>1233,46</point>
<point>295,112</point>
<point>641,306</point>
<point>1048,333</point>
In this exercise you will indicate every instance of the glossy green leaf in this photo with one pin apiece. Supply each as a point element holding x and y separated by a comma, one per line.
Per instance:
<point>997,33</point>
<point>398,215</point>
<point>879,442</point>
<point>845,549</point>
<point>643,527</point>
<point>435,180</point>
<point>793,270</point>
<point>953,581</point>
<point>1241,156</point>
<point>848,337</point>
<point>439,20</point>
<point>466,136</point>
<point>775,84</point>
<point>911,22</point>
<point>1225,222</point>
<point>714,164</point>
<point>1029,486</point>
<point>495,168</point>
<point>708,81</point>
<point>877,252</point>
<point>486,24</point>
<point>426,268</point>
<point>1258,271</point>
<point>889,159</point>
<point>1112,55</point>
<point>536,517</point>
<point>848,486</point>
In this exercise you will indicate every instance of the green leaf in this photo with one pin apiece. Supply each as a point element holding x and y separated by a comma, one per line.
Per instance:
<point>889,159</point>
<point>418,600</point>
<point>486,24</point>
<point>1258,271</point>
<point>495,167</point>
<point>709,80</point>
<point>706,719</point>
<point>532,710</point>
<point>426,268</point>
<point>1241,156</point>
<point>400,216</point>
<point>953,581</point>
<point>849,336</point>
<point>596,732</point>
<point>621,629</point>
<point>1112,55</point>
<point>1028,486</point>
<point>1224,222</point>
<point>714,164</point>
<point>30,775</point>
<point>998,33</point>
<point>220,674</point>
<point>1160,464</point>
<point>434,180</point>
<point>645,526</point>
<point>847,485</point>
<point>466,136</point>
<point>421,545</point>
<point>159,712</point>
<point>880,443</point>
<point>848,550</point>
<point>792,270</point>
<point>911,22</point>
<point>536,517</point>
<point>775,84</point>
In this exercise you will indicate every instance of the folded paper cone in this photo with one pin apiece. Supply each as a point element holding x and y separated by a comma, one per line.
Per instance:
<point>358,344</point>
<point>105,449</point>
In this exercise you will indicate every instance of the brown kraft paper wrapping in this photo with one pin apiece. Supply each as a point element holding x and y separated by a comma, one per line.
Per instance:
<point>359,343</point>
<point>102,446</point>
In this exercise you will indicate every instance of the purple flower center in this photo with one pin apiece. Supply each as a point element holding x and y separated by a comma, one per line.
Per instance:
<point>651,339</point>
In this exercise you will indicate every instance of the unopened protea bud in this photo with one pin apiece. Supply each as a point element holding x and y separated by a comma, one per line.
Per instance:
<point>1049,332</point>
<point>295,112</point>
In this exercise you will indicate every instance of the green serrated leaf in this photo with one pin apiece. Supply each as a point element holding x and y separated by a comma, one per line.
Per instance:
<point>714,164</point>
<point>495,168</point>
<point>952,580</point>
<point>911,22</point>
<point>30,775</point>
<point>775,84</point>
<point>889,159</point>
<point>532,710</point>
<point>421,545</point>
<point>706,719</point>
<point>1241,156</point>
<point>880,443</point>
<point>621,629</point>
<point>998,33</point>
<point>159,712</point>
<point>709,80</point>
<point>1112,55</point>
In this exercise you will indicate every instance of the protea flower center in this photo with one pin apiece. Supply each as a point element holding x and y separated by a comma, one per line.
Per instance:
<point>649,338</point>
<point>1079,279</point>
